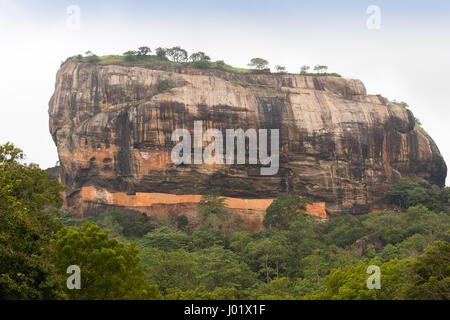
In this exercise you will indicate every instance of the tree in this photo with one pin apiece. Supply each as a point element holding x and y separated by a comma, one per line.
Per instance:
<point>127,224</point>
<point>130,55</point>
<point>283,209</point>
<point>109,269</point>
<point>201,293</point>
<point>177,54</point>
<point>401,193</point>
<point>423,277</point>
<point>214,211</point>
<point>280,69</point>
<point>173,269</point>
<point>342,230</point>
<point>220,267</point>
<point>258,63</point>
<point>389,252</point>
<point>161,53</point>
<point>421,220</point>
<point>270,254</point>
<point>200,60</point>
<point>414,245</point>
<point>429,278</point>
<point>143,51</point>
<point>322,260</point>
<point>199,56</point>
<point>166,239</point>
<point>27,224</point>
<point>385,225</point>
<point>304,69</point>
<point>277,289</point>
<point>320,68</point>
<point>406,193</point>
<point>302,239</point>
<point>206,237</point>
<point>182,222</point>
<point>304,286</point>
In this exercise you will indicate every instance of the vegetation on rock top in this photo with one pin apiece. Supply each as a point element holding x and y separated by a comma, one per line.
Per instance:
<point>177,56</point>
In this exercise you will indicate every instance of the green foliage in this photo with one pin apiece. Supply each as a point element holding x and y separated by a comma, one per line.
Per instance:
<point>109,269</point>
<point>143,51</point>
<point>182,222</point>
<point>161,87</point>
<point>26,183</point>
<point>165,238</point>
<point>414,245</point>
<point>127,224</point>
<point>243,83</point>
<point>170,269</point>
<point>426,276</point>
<point>200,60</point>
<point>389,252</point>
<point>201,293</point>
<point>268,256</point>
<point>277,289</point>
<point>214,212</point>
<point>406,193</point>
<point>429,276</point>
<point>212,204</point>
<point>322,261</point>
<point>93,59</point>
<point>283,210</point>
<point>320,68</point>
<point>207,237</point>
<point>280,69</point>
<point>400,103</point>
<point>220,64</point>
<point>220,267</point>
<point>90,57</point>
<point>304,287</point>
<point>177,54</point>
<point>304,69</point>
<point>385,225</point>
<point>161,53</point>
<point>26,268</point>
<point>258,63</point>
<point>177,57</point>
<point>130,55</point>
<point>349,283</point>
<point>343,230</point>
<point>421,220</point>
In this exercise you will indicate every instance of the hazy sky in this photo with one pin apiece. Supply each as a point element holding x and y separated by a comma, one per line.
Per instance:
<point>407,58</point>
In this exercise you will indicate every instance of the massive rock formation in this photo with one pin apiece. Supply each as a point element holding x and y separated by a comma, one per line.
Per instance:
<point>112,126</point>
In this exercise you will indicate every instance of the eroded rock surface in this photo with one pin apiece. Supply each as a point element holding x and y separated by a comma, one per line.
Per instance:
<point>112,126</point>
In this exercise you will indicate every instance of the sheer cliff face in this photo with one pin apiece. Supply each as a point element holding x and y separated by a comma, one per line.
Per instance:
<point>113,124</point>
